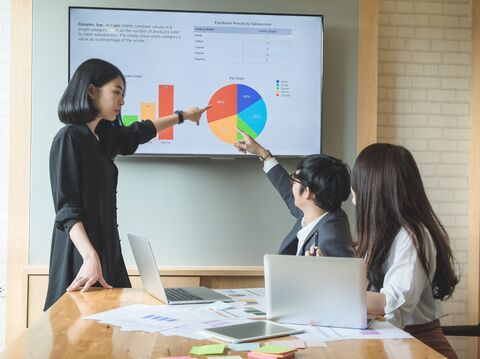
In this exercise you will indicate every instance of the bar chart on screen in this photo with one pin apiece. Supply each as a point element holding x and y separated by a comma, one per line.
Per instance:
<point>148,111</point>
<point>262,73</point>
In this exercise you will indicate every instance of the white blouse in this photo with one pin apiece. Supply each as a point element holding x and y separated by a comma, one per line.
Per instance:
<point>407,290</point>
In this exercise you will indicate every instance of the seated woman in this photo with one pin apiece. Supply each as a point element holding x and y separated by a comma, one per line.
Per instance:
<point>406,248</point>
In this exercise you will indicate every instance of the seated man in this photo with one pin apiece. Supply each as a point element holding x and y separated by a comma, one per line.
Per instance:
<point>313,194</point>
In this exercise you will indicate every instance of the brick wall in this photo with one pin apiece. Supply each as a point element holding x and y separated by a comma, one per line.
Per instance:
<point>4,143</point>
<point>424,104</point>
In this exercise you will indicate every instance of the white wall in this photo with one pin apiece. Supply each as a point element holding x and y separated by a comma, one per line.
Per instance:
<point>424,104</point>
<point>4,143</point>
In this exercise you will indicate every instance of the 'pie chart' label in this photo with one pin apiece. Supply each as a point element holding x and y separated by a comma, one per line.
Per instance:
<point>236,106</point>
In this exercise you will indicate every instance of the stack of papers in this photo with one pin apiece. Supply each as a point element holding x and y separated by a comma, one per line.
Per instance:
<point>187,320</point>
<point>181,320</point>
<point>190,320</point>
<point>378,330</point>
<point>248,303</point>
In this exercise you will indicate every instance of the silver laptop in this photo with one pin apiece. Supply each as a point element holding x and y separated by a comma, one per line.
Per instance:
<point>325,291</point>
<point>152,283</point>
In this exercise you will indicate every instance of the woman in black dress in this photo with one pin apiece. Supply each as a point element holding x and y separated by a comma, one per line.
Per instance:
<point>85,244</point>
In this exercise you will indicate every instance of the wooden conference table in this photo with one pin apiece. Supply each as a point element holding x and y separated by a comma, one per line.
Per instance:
<point>60,333</point>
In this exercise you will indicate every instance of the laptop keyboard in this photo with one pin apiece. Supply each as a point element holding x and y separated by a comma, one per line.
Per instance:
<point>179,294</point>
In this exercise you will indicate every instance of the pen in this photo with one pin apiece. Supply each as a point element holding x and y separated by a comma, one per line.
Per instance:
<point>315,244</point>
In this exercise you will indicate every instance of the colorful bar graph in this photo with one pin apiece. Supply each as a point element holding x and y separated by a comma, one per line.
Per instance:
<point>129,119</point>
<point>147,111</point>
<point>165,108</point>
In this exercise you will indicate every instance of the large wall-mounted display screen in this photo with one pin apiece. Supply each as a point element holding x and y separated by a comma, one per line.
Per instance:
<point>262,73</point>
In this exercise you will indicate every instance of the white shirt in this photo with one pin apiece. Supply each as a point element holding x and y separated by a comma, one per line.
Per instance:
<point>407,290</point>
<point>269,164</point>
<point>305,231</point>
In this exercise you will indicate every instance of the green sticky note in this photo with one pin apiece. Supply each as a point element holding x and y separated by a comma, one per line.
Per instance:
<point>274,349</point>
<point>208,349</point>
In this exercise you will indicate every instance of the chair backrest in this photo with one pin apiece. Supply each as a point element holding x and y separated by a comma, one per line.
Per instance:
<point>462,330</point>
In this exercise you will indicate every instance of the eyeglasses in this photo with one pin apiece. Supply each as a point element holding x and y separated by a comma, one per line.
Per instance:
<point>293,179</point>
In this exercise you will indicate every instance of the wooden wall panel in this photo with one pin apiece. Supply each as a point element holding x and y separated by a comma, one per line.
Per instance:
<point>19,171</point>
<point>473,271</point>
<point>367,88</point>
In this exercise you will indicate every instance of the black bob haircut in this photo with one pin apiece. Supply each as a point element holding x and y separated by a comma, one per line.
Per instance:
<point>327,177</point>
<point>75,106</point>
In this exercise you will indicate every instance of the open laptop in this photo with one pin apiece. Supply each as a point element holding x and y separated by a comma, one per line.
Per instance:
<point>152,283</point>
<point>325,291</point>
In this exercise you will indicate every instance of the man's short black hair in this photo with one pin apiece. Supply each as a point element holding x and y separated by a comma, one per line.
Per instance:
<point>75,105</point>
<point>327,177</point>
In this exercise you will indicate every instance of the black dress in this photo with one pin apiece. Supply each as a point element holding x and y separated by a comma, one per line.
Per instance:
<point>84,177</point>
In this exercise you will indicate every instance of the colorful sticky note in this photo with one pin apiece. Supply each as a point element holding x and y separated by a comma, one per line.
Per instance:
<point>274,349</point>
<point>184,357</point>
<point>208,349</point>
<point>256,355</point>
<point>226,357</point>
<point>243,347</point>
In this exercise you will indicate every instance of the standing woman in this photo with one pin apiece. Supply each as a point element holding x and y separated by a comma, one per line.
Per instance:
<point>86,244</point>
<point>409,260</point>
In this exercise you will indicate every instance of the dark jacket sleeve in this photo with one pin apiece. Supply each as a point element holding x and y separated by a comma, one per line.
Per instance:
<point>335,239</point>
<point>121,140</point>
<point>65,181</point>
<point>279,178</point>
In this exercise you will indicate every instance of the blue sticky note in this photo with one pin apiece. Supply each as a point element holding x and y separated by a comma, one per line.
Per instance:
<point>243,347</point>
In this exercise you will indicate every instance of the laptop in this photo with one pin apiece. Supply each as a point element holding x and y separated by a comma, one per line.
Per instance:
<point>324,291</point>
<point>152,283</point>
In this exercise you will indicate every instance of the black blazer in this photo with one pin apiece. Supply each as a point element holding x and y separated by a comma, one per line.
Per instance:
<point>333,230</point>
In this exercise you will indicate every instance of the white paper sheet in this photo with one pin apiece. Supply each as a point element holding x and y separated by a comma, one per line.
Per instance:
<point>377,330</point>
<point>189,320</point>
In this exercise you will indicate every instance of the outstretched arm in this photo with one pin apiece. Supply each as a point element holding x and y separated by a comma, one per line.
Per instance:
<point>192,114</point>
<point>275,172</point>
<point>125,140</point>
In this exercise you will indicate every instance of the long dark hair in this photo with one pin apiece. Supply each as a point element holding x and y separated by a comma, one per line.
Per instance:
<point>389,196</point>
<point>75,105</point>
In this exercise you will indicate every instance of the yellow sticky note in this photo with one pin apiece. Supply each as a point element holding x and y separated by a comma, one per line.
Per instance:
<point>208,349</point>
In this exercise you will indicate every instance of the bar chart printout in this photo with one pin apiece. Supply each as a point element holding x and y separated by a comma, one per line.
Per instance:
<point>165,108</point>
<point>236,106</point>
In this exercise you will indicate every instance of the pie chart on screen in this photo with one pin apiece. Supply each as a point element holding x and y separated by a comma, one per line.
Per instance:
<point>236,106</point>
